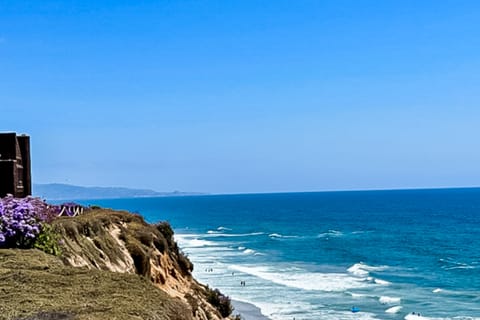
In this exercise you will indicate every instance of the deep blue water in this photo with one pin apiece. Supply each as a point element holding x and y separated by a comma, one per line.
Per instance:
<point>315,255</point>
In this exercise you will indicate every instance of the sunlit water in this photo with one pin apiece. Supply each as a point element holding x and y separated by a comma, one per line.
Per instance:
<point>315,255</point>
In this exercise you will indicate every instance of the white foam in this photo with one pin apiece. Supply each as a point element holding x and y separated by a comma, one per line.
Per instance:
<point>457,264</point>
<point>389,300</point>
<point>421,317</point>
<point>361,232</point>
<point>347,315</point>
<point>471,294</point>
<point>248,251</point>
<point>191,241</point>
<point>357,295</point>
<point>287,311</point>
<point>382,282</point>
<point>211,235</point>
<point>395,309</point>
<point>357,270</point>
<point>415,317</point>
<point>361,269</point>
<point>460,267</point>
<point>241,248</point>
<point>330,233</point>
<point>199,243</point>
<point>221,228</point>
<point>295,278</point>
<point>282,310</point>
<point>277,235</point>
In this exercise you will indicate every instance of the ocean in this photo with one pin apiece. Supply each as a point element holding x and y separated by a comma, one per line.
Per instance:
<point>317,255</point>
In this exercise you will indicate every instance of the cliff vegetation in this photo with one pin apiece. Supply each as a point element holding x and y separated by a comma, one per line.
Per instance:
<point>108,265</point>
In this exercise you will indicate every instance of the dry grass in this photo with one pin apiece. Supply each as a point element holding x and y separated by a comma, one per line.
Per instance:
<point>139,237</point>
<point>37,286</point>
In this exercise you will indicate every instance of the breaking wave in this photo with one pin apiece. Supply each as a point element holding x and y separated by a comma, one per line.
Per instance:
<point>363,270</point>
<point>395,309</point>
<point>389,300</point>
<point>304,280</point>
<point>330,233</point>
<point>280,236</point>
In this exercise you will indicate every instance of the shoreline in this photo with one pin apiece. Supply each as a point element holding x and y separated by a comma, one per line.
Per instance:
<point>248,311</point>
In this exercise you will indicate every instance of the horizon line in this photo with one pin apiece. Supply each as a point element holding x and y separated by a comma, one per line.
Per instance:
<point>207,193</point>
<point>349,190</point>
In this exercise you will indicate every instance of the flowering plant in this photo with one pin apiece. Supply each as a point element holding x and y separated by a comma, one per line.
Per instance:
<point>21,220</point>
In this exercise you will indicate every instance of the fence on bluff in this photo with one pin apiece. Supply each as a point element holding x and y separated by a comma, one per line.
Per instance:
<point>69,209</point>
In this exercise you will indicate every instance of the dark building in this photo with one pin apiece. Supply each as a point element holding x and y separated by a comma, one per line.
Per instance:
<point>15,170</point>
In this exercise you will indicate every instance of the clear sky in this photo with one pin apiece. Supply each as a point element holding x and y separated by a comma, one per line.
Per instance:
<point>245,96</point>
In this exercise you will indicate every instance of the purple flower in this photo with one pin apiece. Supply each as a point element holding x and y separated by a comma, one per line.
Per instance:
<point>21,220</point>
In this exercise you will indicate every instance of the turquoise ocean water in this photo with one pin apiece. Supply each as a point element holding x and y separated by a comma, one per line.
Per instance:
<point>315,255</point>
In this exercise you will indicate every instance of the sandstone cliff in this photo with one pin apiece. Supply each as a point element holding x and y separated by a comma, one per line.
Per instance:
<point>113,265</point>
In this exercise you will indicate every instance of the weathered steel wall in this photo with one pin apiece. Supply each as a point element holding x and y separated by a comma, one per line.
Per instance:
<point>15,166</point>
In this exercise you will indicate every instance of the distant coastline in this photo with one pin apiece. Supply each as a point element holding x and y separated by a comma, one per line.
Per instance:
<point>59,191</point>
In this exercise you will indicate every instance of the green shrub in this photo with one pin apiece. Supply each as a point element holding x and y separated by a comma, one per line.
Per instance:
<point>48,241</point>
<point>186,266</point>
<point>167,231</point>
<point>160,243</point>
<point>141,258</point>
<point>220,301</point>
<point>193,302</point>
<point>145,237</point>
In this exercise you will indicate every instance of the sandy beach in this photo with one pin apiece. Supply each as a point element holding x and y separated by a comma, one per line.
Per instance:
<point>248,311</point>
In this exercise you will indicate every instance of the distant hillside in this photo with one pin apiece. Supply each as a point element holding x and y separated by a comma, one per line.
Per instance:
<point>58,191</point>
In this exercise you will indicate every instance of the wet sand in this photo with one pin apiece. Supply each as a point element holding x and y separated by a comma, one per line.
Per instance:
<point>248,311</point>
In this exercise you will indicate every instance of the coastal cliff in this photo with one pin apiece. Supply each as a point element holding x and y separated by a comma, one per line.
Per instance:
<point>113,265</point>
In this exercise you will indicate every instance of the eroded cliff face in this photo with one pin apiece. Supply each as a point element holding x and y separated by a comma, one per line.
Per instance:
<point>38,286</point>
<point>124,243</point>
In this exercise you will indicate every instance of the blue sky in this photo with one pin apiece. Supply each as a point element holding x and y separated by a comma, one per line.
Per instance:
<point>245,96</point>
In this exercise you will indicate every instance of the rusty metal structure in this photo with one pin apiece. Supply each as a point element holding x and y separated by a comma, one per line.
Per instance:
<point>15,165</point>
